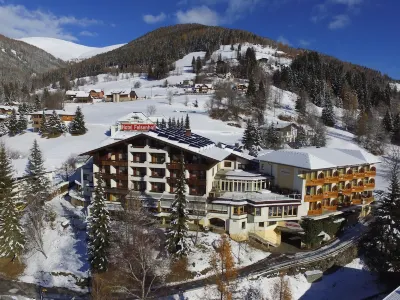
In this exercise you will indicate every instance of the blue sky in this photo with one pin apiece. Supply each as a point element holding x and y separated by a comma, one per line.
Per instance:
<point>365,32</point>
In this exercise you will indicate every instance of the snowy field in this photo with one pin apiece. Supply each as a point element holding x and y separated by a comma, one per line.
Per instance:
<point>65,248</point>
<point>348,283</point>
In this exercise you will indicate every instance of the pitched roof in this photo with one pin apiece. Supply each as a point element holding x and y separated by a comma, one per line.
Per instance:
<point>71,93</point>
<point>96,90</point>
<point>319,158</point>
<point>82,94</point>
<point>50,112</point>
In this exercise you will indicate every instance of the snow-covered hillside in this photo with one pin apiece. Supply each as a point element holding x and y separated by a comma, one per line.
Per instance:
<point>67,50</point>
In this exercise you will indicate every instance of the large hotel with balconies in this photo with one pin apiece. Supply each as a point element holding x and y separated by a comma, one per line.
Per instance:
<point>230,190</point>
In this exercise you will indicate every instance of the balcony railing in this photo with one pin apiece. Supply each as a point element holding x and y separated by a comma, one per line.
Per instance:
<point>173,166</point>
<point>330,207</point>
<point>312,198</point>
<point>139,160</point>
<point>333,179</point>
<point>196,167</point>
<point>319,181</point>
<point>314,212</point>
<point>331,194</point>
<point>358,188</point>
<point>369,185</point>
<point>359,175</point>
<point>356,201</point>
<point>116,190</point>
<point>197,181</point>
<point>348,176</point>
<point>117,163</point>
<point>120,176</point>
<point>370,173</point>
<point>347,191</point>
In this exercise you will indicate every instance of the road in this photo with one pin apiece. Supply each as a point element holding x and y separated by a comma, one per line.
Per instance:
<point>273,265</point>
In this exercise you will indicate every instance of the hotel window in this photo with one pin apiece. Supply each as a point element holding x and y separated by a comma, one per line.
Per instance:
<point>326,187</point>
<point>243,225</point>
<point>341,171</point>
<point>275,211</point>
<point>271,223</point>
<point>328,173</point>
<point>257,211</point>
<point>310,190</point>
<point>290,210</point>
<point>227,164</point>
<point>261,224</point>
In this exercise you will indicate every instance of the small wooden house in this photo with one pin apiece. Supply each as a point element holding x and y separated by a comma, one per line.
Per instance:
<point>83,97</point>
<point>97,94</point>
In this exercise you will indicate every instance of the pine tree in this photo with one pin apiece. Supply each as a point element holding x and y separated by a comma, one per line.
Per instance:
<point>251,89</point>
<point>12,123</point>
<point>388,122</point>
<point>181,124</point>
<point>11,232</point>
<point>99,230</point>
<point>3,129</point>
<point>37,184</point>
<point>43,124</point>
<point>257,141</point>
<point>169,122</point>
<point>194,64</point>
<point>381,244</point>
<point>274,139</point>
<point>163,124</point>
<point>22,122</point>
<point>318,138</point>
<point>177,233</point>
<point>187,122</point>
<point>301,138</point>
<point>173,123</point>
<point>157,124</point>
<point>77,126</point>
<point>55,126</point>
<point>328,114</point>
<point>248,135</point>
<point>198,65</point>
<point>178,123</point>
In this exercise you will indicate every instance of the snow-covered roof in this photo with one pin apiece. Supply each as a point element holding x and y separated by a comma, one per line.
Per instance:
<point>319,158</point>
<point>71,93</point>
<point>255,197</point>
<point>239,174</point>
<point>3,117</point>
<point>134,117</point>
<point>121,92</point>
<point>8,107</point>
<point>82,94</point>
<point>50,112</point>
<point>395,295</point>
<point>96,90</point>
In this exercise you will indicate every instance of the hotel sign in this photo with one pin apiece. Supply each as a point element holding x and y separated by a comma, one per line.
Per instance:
<point>137,127</point>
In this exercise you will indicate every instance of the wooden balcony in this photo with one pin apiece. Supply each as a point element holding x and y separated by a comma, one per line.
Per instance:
<point>196,167</point>
<point>115,176</point>
<point>116,190</point>
<point>171,180</point>
<point>356,201</point>
<point>312,198</point>
<point>331,194</point>
<point>359,175</point>
<point>116,163</point>
<point>311,182</point>
<point>333,179</point>
<point>368,200</point>
<point>173,166</point>
<point>348,176</point>
<point>370,173</point>
<point>330,208</point>
<point>196,181</point>
<point>347,191</point>
<point>358,188</point>
<point>314,212</point>
<point>369,186</point>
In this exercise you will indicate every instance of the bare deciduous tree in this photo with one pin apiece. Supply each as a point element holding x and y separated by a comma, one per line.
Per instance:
<point>186,103</point>
<point>151,109</point>
<point>281,289</point>
<point>34,226</point>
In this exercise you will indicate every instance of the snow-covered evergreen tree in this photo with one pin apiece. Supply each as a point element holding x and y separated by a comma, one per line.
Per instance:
<point>248,135</point>
<point>37,103</point>
<point>387,121</point>
<point>382,242</point>
<point>169,122</point>
<point>11,233</point>
<point>396,130</point>
<point>37,184</point>
<point>22,122</point>
<point>301,138</point>
<point>12,123</point>
<point>257,142</point>
<point>99,230</point>
<point>187,122</point>
<point>318,138</point>
<point>43,124</point>
<point>177,233</point>
<point>182,124</point>
<point>55,126</point>
<point>178,123</point>
<point>173,123</point>
<point>3,129</point>
<point>328,114</point>
<point>163,124</point>
<point>275,141</point>
<point>77,126</point>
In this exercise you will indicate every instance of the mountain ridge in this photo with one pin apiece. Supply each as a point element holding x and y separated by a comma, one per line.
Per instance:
<point>66,50</point>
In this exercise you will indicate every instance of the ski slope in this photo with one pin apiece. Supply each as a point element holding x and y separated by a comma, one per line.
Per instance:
<point>66,50</point>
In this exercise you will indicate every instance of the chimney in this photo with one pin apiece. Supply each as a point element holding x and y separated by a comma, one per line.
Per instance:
<point>188,132</point>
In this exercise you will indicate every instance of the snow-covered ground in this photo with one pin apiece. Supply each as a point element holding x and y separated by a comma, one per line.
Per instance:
<point>65,249</point>
<point>66,50</point>
<point>200,257</point>
<point>350,282</point>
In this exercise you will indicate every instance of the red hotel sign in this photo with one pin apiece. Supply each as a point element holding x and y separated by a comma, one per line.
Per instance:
<point>137,127</point>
